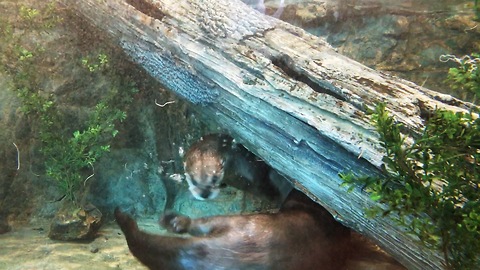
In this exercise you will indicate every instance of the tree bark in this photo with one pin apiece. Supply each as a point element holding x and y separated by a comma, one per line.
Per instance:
<point>283,93</point>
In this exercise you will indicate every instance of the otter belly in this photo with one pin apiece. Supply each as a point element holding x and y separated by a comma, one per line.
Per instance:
<point>301,236</point>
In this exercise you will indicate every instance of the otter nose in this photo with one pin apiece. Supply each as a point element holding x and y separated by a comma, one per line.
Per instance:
<point>206,193</point>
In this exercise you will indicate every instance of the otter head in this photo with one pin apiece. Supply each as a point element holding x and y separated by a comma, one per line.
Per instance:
<point>205,163</point>
<point>204,173</point>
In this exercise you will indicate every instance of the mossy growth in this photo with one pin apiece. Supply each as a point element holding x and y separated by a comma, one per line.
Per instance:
<point>433,185</point>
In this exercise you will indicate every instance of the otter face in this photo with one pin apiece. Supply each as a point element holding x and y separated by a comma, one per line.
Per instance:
<point>204,174</point>
<point>204,165</point>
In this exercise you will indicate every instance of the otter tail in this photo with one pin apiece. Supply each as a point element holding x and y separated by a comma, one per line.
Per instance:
<point>126,223</point>
<point>155,251</point>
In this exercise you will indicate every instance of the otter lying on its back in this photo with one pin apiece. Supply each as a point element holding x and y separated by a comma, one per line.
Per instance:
<point>302,235</point>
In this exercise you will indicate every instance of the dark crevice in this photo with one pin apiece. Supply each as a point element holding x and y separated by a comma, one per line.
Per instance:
<point>425,113</point>
<point>449,100</point>
<point>285,64</point>
<point>147,8</point>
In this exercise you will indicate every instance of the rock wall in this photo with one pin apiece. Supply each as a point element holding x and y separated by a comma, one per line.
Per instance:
<point>405,38</point>
<point>142,171</point>
<point>136,171</point>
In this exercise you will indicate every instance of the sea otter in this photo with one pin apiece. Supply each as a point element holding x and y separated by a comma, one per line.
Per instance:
<point>301,235</point>
<point>216,157</point>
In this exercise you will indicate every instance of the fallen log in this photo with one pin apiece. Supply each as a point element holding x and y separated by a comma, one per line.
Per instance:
<point>285,94</point>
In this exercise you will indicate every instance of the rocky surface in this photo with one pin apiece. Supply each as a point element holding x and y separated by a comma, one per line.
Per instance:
<point>405,38</point>
<point>29,247</point>
<point>230,200</point>
<point>145,152</point>
<point>142,171</point>
<point>80,223</point>
<point>4,227</point>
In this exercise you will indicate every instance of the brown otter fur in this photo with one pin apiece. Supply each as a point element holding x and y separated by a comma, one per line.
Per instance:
<point>216,157</point>
<point>302,235</point>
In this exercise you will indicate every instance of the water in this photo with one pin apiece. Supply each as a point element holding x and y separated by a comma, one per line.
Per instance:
<point>55,69</point>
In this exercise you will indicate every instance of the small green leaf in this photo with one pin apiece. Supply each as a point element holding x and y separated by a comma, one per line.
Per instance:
<point>375,197</point>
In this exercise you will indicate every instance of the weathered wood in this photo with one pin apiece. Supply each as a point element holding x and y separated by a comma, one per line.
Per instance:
<point>285,94</point>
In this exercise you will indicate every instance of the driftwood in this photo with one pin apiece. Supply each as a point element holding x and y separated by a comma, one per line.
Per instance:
<point>284,93</point>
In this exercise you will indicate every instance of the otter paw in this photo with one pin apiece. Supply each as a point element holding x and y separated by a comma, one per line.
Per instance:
<point>175,223</point>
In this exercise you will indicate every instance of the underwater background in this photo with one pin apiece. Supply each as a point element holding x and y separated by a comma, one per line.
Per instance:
<point>64,85</point>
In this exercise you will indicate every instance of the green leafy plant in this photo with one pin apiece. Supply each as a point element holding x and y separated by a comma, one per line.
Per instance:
<point>94,64</point>
<point>28,14</point>
<point>465,77</point>
<point>40,19</point>
<point>432,186</point>
<point>69,148</point>
<point>69,157</point>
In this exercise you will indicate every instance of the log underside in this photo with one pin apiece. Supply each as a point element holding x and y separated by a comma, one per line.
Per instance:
<point>283,93</point>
